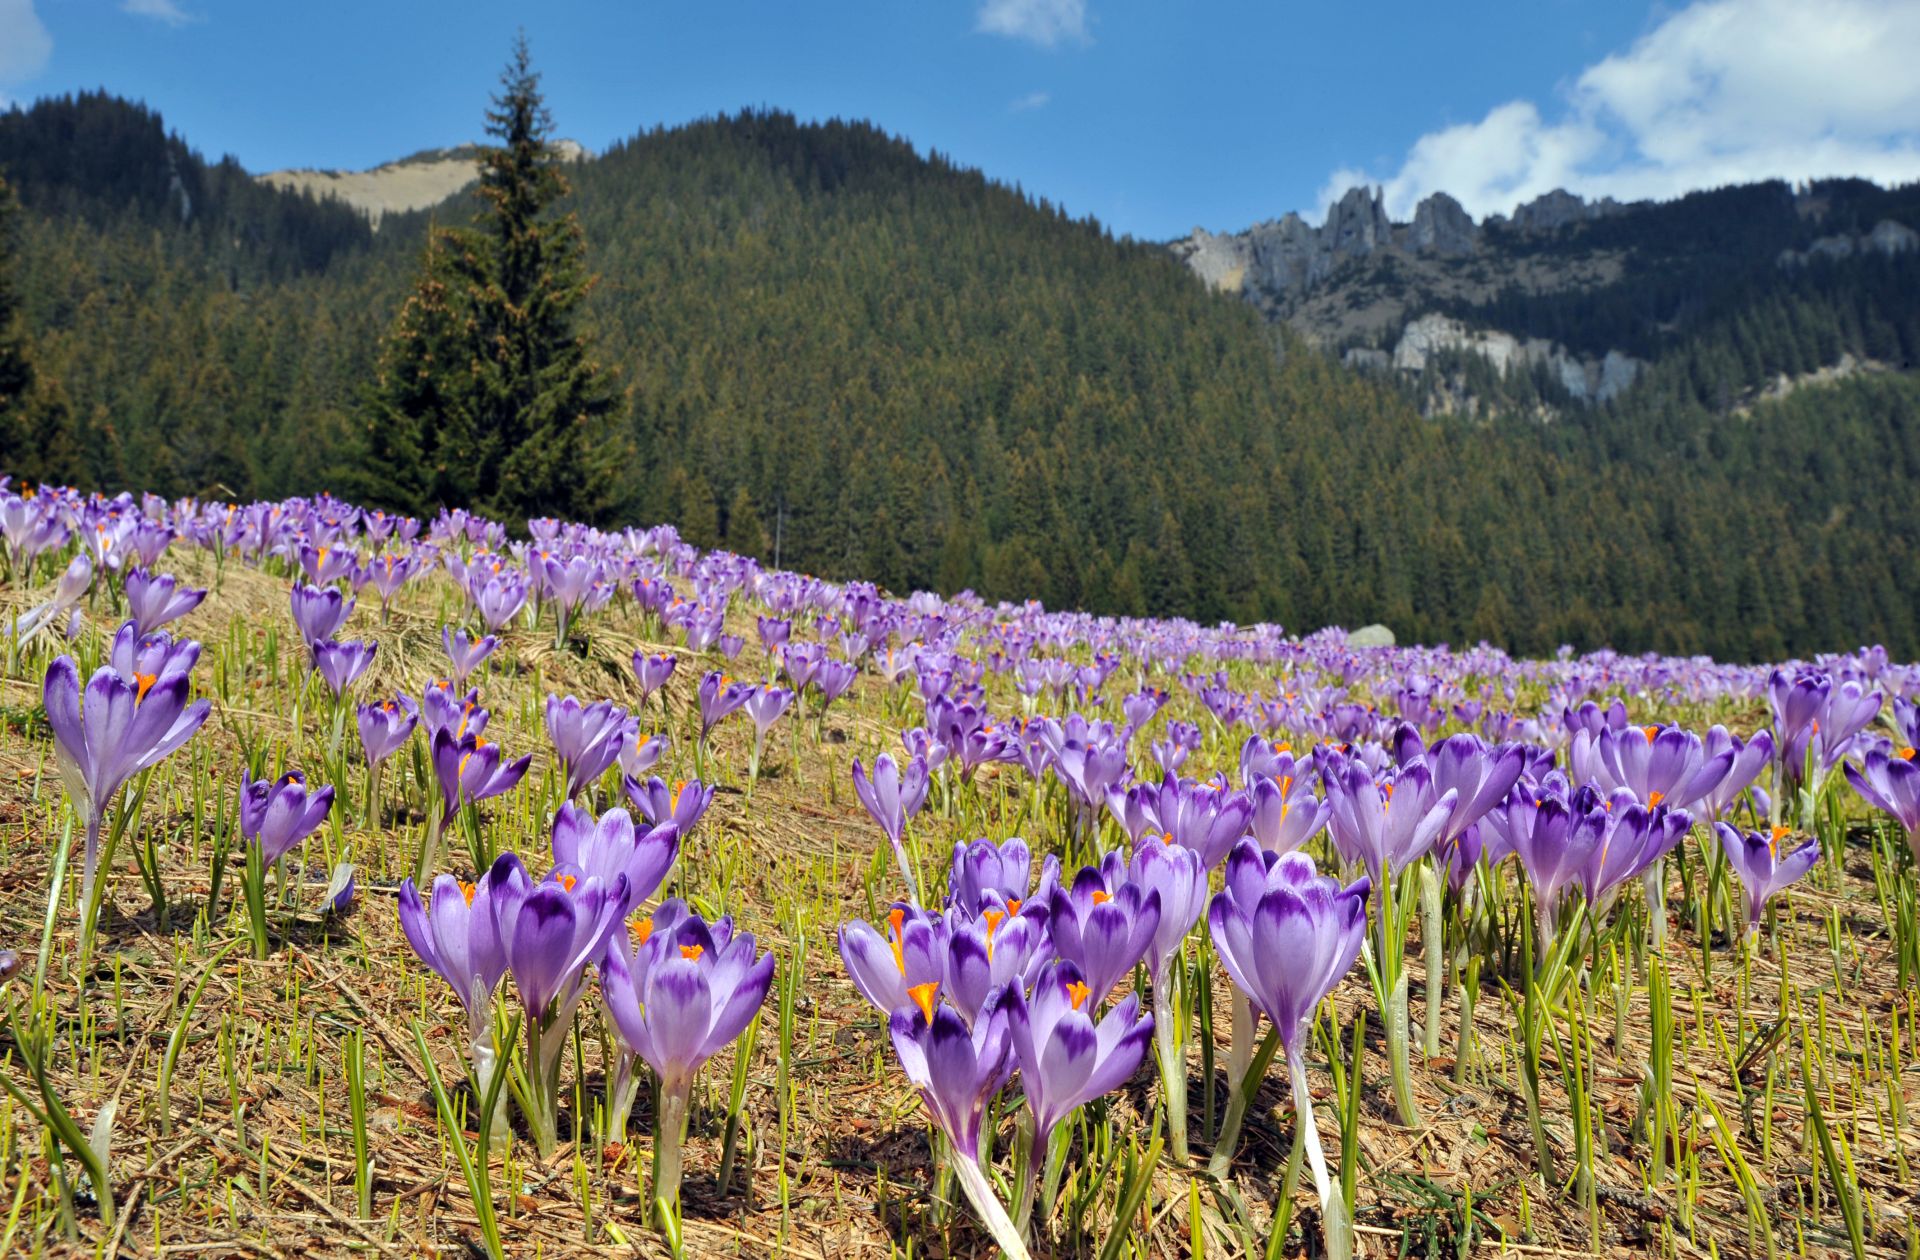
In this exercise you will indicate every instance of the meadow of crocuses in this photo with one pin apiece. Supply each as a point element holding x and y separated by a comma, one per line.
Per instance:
<point>388,885</point>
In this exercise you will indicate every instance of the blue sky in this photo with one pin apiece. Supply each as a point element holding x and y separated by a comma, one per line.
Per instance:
<point>1153,116</point>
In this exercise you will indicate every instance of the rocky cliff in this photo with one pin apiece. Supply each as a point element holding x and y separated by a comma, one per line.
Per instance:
<point>1401,298</point>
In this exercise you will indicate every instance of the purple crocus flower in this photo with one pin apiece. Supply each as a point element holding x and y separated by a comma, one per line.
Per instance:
<point>460,940</point>
<point>1477,776</point>
<point>682,804</point>
<point>341,664</point>
<point>157,655</point>
<point>442,710</point>
<point>465,654</point>
<point>586,738</point>
<point>700,988</point>
<point>1202,816</point>
<point>1387,822</point>
<point>988,951</point>
<point>1891,784</point>
<point>550,936</point>
<point>834,679</point>
<point>154,601</point>
<point>957,1069</point>
<point>887,966</point>
<point>324,565</point>
<point>892,797</point>
<point>387,574</point>
<point>1104,924</point>
<point>1659,765</point>
<point>611,846</point>
<point>501,599</point>
<point>1287,936</point>
<point>277,815</point>
<point>318,613</point>
<point>1066,1059</point>
<point>1286,813</point>
<point>1906,721</point>
<point>1178,875</point>
<point>718,695</point>
<point>1554,838</point>
<point>386,726</point>
<point>688,992</point>
<point>127,724</point>
<point>640,752</point>
<point>652,670</point>
<point>470,769</point>
<point>1749,759</point>
<point>763,708</point>
<point>1763,869</point>
<point>984,872</point>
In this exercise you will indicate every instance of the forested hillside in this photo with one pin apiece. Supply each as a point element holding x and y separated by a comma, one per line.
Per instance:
<point>878,364</point>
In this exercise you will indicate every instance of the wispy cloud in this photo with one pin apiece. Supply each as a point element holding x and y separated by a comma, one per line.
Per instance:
<point>25,45</point>
<point>1042,22</point>
<point>159,10</point>
<point>1032,100</point>
<point>1719,92</point>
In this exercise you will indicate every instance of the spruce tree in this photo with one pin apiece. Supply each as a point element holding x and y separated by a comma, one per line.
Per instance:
<point>492,395</point>
<point>16,369</point>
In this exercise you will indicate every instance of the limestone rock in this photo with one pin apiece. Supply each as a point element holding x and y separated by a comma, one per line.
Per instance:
<point>1371,636</point>
<point>1442,226</point>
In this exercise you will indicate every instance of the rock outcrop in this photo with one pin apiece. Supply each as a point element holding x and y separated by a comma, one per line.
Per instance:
<point>1589,380</point>
<point>1887,238</point>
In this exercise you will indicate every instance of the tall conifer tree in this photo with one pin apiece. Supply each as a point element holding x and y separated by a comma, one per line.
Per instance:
<point>488,394</point>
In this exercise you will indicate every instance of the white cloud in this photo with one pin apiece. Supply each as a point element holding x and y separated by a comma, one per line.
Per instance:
<point>159,10</point>
<point>1043,22</point>
<point>1032,100</point>
<point>1722,91</point>
<point>25,44</point>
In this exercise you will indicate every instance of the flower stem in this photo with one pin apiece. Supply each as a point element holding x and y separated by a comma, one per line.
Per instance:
<point>1432,933</point>
<point>1171,1051</point>
<point>1333,1207</point>
<point>670,1131</point>
<point>980,1193</point>
<point>1237,1102</point>
<point>1399,1037</point>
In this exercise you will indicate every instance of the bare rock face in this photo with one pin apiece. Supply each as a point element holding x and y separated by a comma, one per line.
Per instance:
<point>1887,238</point>
<point>1552,211</point>
<point>1588,380</point>
<point>1221,261</point>
<point>1442,226</point>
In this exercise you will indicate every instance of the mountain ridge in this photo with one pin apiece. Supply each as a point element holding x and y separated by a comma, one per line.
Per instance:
<point>1386,295</point>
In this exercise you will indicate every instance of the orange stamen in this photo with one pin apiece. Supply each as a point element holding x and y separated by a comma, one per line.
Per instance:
<point>1649,732</point>
<point>1100,897</point>
<point>1654,798</point>
<point>1077,994</point>
<point>922,995</point>
<point>144,685</point>
<point>898,921</point>
<point>466,890</point>
<point>567,882</point>
<point>691,952</point>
